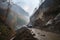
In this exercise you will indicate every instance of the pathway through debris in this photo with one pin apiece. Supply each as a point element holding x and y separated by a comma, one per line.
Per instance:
<point>43,35</point>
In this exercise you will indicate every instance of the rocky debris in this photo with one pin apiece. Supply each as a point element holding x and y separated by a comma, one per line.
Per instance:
<point>24,34</point>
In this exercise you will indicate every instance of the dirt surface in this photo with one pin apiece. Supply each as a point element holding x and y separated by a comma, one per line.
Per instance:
<point>43,35</point>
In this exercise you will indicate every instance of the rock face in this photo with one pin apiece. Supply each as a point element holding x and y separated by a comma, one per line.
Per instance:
<point>49,9</point>
<point>46,12</point>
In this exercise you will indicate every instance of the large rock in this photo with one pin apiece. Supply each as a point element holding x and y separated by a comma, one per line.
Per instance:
<point>24,34</point>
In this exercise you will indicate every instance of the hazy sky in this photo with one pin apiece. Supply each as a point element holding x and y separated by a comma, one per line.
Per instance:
<point>28,5</point>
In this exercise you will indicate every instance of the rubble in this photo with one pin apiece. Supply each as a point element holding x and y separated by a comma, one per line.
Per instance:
<point>24,34</point>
